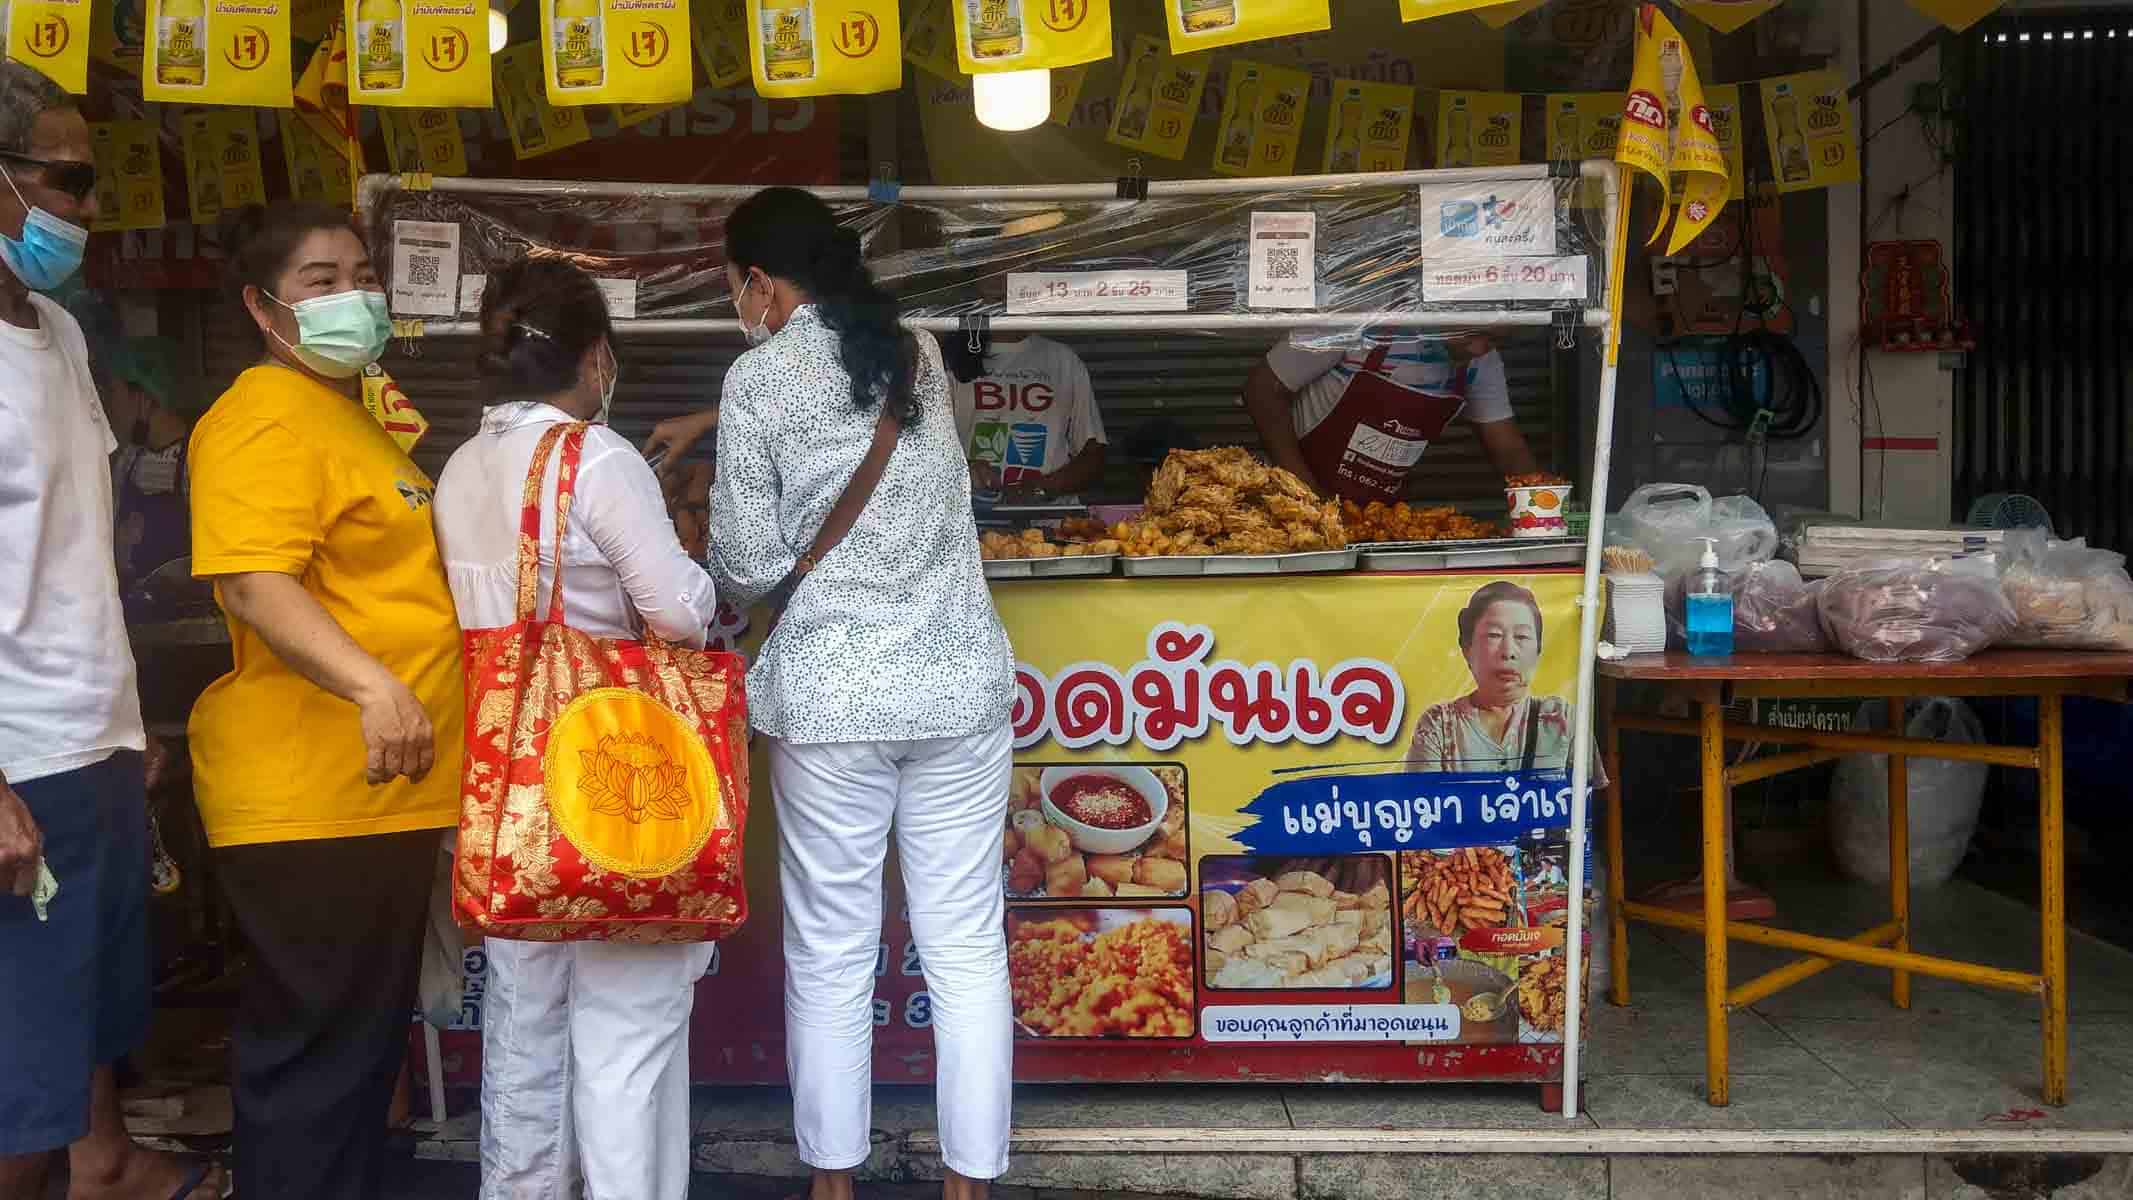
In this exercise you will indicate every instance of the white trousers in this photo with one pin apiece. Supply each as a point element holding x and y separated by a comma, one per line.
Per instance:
<point>946,800</point>
<point>585,1070</point>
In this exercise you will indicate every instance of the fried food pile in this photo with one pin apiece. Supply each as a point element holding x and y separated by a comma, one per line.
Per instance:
<point>1135,981</point>
<point>1043,862</point>
<point>1536,479</point>
<point>1541,994</point>
<point>1378,521</point>
<point>1031,543</point>
<point>1224,501</point>
<point>1452,891</point>
<point>1300,930</point>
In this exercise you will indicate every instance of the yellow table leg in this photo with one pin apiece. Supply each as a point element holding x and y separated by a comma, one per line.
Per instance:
<point>2051,777</point>
<point>1716,1078</point>
<point>1899,856</point>
<point>1617,922</point>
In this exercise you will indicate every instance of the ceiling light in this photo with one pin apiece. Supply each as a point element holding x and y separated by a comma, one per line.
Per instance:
<point>1011,101</point>
<point>499,29</point>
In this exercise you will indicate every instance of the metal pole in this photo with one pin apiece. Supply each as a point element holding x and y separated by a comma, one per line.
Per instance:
<point>1616,210</point>
<point>1115,322</point>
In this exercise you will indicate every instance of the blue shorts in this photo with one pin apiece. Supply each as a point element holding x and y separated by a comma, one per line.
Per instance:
<point>74,990</point>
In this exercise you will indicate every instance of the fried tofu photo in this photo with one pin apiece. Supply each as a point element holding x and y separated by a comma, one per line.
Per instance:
<point>1297,923</point>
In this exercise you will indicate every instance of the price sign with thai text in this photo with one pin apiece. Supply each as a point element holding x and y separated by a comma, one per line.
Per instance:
<point>1095,291</point>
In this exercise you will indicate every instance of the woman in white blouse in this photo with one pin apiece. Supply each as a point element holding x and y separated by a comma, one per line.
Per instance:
<point>585,1045</point>
<point>885,687</point>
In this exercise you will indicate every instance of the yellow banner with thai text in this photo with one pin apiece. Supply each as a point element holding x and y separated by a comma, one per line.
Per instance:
<point>722,40</point>
<point>1021,35</point>
<point>616,52</point>
<point>232,52</point>
<point>1262,119</point>
<point>1206,24</point>
<point>825,47</point>
<point>52,36</point>
<point>419,53</point>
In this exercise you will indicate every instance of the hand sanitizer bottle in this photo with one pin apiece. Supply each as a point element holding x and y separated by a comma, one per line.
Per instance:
<point>1710,606</point>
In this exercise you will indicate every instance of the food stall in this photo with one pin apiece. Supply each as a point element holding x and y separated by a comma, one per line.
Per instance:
<point>1249,837</point>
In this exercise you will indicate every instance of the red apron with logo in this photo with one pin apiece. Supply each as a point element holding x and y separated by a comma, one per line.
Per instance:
<point>1375,435</point>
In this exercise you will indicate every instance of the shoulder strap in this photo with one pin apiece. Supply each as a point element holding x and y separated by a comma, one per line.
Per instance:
<point>853,501</point>
<point>1525,762</point>
<point>572,436</point>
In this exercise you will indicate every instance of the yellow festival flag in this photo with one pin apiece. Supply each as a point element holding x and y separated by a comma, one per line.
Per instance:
<point>1158,99</point>
<point>1008,35</point>
<point>616,51</point>
<point>1667,130</point>
<point>232,52</point>
<point>1066,93</point>
<point>321,106</point>
<point>722,40</point>
<point>418,53</point>
<point>1370,127</point>
<point>1478,129</point>
<point>1956,14</point>
<point>222,163</point>
<point>930,40</point>
<point>1205,24</point>
<point>1262,119</point>
<point>129,175</point>
<point>1807,123</point>
<point>1727,15</point>
<point>319,170</point>
<point>536,127</point>
<point>52,36</point>
<point>424,139</point>
<point>825,47</point>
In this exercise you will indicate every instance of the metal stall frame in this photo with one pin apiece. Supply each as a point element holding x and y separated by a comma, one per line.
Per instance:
<point>1613,181</point>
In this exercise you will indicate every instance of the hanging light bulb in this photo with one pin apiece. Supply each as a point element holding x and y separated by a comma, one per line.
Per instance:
<point>499,29</point>
<point>1011,101</point>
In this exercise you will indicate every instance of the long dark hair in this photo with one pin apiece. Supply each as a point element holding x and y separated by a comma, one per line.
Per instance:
<point>538,318</point>
<point>261,242</point>
<point>792,235</point>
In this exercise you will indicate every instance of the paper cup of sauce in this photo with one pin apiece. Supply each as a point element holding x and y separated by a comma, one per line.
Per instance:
<point>1537,512</point>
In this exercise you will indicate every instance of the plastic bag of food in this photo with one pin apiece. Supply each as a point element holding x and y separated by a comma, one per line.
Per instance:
<point>1916,610</point>
<point>2067,595</point>
<point>1777,612</point>
<point>1943,796</point>
<point>1665,519</point>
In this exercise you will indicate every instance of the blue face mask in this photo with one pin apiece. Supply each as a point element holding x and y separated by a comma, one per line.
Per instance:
<point>49,250</point>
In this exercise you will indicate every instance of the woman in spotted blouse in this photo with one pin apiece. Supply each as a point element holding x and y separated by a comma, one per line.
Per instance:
<point>885,687</point>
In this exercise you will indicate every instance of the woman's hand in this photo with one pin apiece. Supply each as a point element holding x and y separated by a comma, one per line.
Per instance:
<point>676,436</point>
<point>397,738</point>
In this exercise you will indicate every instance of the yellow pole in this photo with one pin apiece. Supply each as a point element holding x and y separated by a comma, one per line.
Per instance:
<point>2051,777</point>
<point>1716,1076</point>
<point>1770,983</point>
<point>1617,920</point>
<point>1899,857</point>
<point>1849,950</point>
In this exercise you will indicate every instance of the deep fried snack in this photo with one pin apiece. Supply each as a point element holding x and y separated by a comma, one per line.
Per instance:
<point>1378,521</point>
<point>1456,890</point>
<point>1224,501</point>
<point>1134,981</point>
<point>1542,996</point>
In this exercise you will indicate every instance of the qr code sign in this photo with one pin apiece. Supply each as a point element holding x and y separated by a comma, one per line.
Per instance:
<point>1282,262</point>
<point>422,269</point>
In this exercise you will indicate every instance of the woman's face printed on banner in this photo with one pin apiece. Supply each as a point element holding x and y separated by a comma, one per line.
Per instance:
<point>1505,649</point>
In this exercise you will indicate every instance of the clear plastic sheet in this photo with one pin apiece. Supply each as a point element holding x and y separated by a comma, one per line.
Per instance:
<point>1924,610</point>
<point>951,258</point>
<point>2067,595</point>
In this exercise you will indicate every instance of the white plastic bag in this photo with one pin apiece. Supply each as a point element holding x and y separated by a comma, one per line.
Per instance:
<point>1664,519</point>
<point>1916,610</point>
<point>1944,796</point>
<point>2067,595</point>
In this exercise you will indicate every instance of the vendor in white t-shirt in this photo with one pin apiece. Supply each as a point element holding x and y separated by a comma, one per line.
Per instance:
<point>1028,421</point>
<point>1353,422</point>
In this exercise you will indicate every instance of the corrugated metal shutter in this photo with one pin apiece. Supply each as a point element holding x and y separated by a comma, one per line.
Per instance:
<point>1195,381</point>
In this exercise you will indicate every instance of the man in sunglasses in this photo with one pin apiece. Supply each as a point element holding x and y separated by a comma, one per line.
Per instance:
<point>74,988</point>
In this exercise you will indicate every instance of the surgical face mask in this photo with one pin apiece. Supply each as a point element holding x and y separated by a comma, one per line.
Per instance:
<point>49,250</point>
<point>759,332</point>
<point>337,335</point>
<point>607,391</point>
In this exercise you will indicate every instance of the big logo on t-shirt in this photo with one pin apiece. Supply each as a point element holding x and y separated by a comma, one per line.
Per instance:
<point>993,395</point>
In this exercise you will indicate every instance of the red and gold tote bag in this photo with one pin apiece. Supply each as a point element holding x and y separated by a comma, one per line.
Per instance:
<point>606,783</point>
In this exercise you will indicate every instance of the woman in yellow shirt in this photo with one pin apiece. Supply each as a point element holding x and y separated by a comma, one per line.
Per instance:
<point>327,761</point>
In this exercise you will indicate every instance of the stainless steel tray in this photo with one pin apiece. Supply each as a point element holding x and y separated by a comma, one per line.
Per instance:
<point>1050,568</point>
<point>1476,552</point>
<point>1242,564</point>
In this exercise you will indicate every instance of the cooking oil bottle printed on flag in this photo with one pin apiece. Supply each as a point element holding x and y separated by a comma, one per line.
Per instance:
<point>616,52</point>
<point>1370,128</point>
<point>825,47</point>
<point>537,128</point>
<point>1206,24</point>
<point>418,53</point>
<point>577,48</point>
<point>129,176</point>
<point>1262,119</point>
<point>177,54</point>
<point>1158,100</point>
<point>1021,35</point>
<point>721,29</point>
<point>318,170</point>
<point>1667,131</point>
<point>930,41</point>
<point>1807,121</point>
<point>1477,129</point>
<point>52,36</point>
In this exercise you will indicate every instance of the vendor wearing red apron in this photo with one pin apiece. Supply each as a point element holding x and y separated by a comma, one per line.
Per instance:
<point>1353,421</point>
